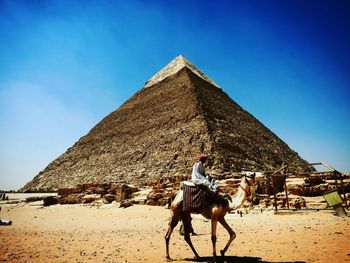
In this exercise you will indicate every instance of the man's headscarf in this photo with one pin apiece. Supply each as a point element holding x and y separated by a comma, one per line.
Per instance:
<point>203,157</point>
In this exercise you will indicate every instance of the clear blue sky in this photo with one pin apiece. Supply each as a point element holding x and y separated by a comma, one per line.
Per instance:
<point>64,65</point>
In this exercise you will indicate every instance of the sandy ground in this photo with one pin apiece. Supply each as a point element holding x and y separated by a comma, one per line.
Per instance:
<point>81,233</point>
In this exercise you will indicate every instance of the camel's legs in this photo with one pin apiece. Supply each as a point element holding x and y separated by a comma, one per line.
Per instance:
<point>175,217</point>
<point>186,219</point>
<point>214,223</point>
<point>231,233</point>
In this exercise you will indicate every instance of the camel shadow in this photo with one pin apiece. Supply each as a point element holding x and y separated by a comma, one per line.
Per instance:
<point>232,259</point>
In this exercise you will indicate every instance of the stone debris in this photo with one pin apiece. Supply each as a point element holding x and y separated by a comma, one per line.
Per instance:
<point>301,193</point>
<point>315,187</point>
<point>89,193</point>
<point>126,203</point>
<point>50,200</point>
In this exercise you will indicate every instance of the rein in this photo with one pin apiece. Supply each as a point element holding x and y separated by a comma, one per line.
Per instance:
<point>245,190</point>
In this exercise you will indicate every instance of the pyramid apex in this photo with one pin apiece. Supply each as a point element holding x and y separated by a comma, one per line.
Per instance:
<point>175,66</point>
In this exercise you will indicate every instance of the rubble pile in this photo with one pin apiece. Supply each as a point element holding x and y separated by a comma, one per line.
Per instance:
<point>164,191</point>
<point>160,194</point>
<point>88,193</point>
<point>314,187</point>
<point>266,201</point>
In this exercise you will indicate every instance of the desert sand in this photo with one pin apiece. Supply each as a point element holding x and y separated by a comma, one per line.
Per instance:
<point>107,233</point>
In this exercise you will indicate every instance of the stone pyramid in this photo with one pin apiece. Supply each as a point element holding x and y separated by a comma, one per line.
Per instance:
<point>159,131</point>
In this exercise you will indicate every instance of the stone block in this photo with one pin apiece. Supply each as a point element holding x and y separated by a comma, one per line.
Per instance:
<point>90,198</point>
<point>50,200</point>
<point>109,198</point>
<point>152,202</point>
<point>70,199</point>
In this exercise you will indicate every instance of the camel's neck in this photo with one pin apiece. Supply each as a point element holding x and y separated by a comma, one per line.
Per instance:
<point>239,198</point>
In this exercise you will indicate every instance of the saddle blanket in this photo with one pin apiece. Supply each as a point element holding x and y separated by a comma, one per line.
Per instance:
<point>195,198</point>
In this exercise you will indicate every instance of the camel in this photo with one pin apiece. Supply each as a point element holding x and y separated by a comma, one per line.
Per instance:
<point>216,213</point>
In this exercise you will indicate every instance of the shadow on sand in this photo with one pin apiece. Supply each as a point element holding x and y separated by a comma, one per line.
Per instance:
<point>236,260</point>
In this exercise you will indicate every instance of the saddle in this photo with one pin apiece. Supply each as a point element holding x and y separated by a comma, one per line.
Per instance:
<point>195,198</point>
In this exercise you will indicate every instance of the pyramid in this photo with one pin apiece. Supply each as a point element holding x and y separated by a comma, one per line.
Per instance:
<point>179,113</point>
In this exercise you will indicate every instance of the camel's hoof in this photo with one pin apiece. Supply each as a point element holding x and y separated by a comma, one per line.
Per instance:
<point>168,259</point>
<point>222,253</point>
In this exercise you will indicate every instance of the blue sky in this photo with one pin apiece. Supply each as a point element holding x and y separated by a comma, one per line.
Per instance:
<point>64,65</point>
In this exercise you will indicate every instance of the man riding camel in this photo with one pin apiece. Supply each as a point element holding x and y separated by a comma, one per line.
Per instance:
<point>199,177</point>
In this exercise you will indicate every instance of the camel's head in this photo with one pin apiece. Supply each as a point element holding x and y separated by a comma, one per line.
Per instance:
<point>249,178</point>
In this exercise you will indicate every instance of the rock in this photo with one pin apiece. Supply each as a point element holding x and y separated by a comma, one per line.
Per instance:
<point>90,198</point>
<point>154,196</point>
<point>97,203</point>
<point>34,199</point>
<point>90,191</point>
<point>50,200</point>
<point>109,197</point>
<point>71,199</point>
<point>122,192</point>
<point>113,187</point>
<point>90,186</point>
<point>67,191</point>
<point>141,196</point>
<point>164,201</point>
<point>152,202</point>
<point>126,203</point>
<point>100,190</point>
